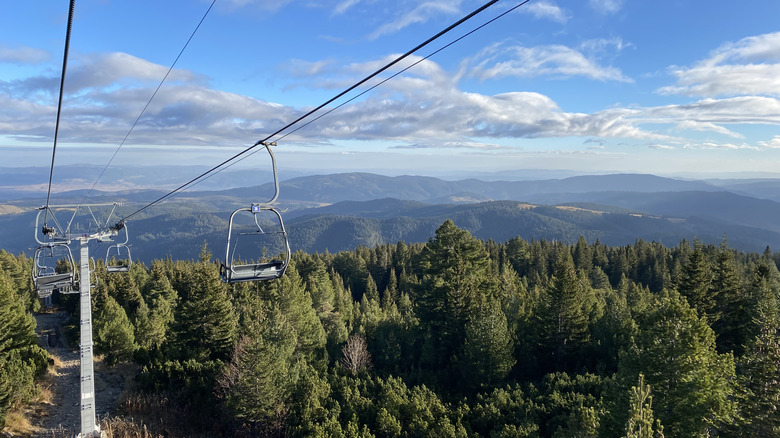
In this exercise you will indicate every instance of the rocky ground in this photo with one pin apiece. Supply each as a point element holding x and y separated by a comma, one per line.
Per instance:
<point>58,414</point>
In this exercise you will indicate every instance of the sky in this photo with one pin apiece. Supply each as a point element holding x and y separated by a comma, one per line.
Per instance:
<point>676,88</point>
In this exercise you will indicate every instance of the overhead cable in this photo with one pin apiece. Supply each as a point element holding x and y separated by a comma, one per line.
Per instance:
<point>59,105</point>
<point>148,102</point>
<point>383,80</point>
<point>299,119</point>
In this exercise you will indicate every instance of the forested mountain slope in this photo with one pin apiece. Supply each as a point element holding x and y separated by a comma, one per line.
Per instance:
<point>453,337</point>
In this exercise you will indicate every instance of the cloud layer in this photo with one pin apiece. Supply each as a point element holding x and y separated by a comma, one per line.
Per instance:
<point>737,85</point>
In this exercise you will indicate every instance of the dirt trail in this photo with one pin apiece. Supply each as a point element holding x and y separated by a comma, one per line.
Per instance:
<point>61,416</point>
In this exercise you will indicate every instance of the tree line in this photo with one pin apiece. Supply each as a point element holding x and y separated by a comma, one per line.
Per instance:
<point>458,337</point>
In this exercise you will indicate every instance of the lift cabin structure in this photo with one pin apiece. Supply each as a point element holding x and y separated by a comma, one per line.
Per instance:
<point>233,270</point>
<point>118,257</point>
<point>54,269</point>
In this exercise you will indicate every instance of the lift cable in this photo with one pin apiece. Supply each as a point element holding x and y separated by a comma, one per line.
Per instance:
<point>361,82</point>
<point>170,69</point>
<point>403,70</point>
<point>59,106</point>
<point>375,85</point>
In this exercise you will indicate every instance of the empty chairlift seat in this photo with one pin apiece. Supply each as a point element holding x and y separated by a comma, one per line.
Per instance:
<point>53,269</point>
<point>233,270</point>
<point>118,258</point>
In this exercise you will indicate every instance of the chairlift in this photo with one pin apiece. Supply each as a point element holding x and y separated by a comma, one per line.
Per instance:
<point>118,258</point>
<point>234,270</point>
<point>46,276</point>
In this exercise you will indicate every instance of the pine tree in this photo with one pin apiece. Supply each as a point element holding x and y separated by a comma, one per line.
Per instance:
<point>563,316</point>
<point>257,381</point>
<point>693,384</point>
<point>21,359</point>
<point>455,275</point>
<point>206,324</point>
<point>641,423</point>
<point>488,347</point>
<point>583,258</point>
<point>695,280</point>
<point>289,296</point>
<point>730,314</point>
<point>114,335</point>
<point>760,377</point>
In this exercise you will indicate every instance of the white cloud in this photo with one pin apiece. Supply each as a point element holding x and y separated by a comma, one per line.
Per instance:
<point>750,66</point>
<point>719,146</point>
<point>603,45</point>
<point>774,143</point>
<point>422,108</point>
<point>23,55</point>
<point>546,10</point>
<point>707,126</point>
<point>606,7</point>
<point>554,61</point>
<point>735,110</point>
<point>344,5</point>
<point>420,14</point>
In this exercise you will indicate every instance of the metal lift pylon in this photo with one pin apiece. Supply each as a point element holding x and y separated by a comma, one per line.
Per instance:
<point>90,427</point>
<point>89,424</point>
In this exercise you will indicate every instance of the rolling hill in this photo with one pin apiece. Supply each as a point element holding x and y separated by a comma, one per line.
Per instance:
<point>339,212</point>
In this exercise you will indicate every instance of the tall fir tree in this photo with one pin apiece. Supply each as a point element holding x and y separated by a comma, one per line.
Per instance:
<point>563,316</point>
<point>206,322</point>
<point>455,277</point>
<point>760,373</point>
<point>488,347</point>
<point>114,334</point>
<point>695,281</point>
<point>675,350</point>
<point>731,312</point>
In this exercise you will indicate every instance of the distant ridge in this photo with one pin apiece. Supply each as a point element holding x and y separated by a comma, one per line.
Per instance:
<point>340,211</point>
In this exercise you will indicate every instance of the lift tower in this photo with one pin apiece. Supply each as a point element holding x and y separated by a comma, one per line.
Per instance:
<point>89,424</point>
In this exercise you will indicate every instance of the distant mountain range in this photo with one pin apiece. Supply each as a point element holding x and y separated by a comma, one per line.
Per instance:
<point>341,211</point>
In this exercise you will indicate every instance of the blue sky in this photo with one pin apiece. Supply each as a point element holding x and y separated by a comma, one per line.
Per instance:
<point>677,88</point>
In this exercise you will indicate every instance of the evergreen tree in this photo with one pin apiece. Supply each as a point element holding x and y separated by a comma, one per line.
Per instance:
<point>487,351</point>
<point>206,323</point>
<point>257,381</point>
<point>113,332</point>
<point>675,350</point>
<point>455,267</point>
<point>326,303</point>
<point>730,314</point>
<point>582,256</point>
<point>695,281</point>
<point>563,316</point>
<point>289,296</point>
<point>760,377</point>
<point>21,359</point>
<point>641,423</point>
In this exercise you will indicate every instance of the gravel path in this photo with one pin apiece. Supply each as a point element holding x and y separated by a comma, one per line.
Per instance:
<point>62,417</point>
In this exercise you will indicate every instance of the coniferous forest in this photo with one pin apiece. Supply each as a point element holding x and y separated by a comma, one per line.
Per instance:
<point>452,338</point>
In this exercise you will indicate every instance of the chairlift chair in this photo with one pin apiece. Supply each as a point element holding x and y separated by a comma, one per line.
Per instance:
<point>45,276</point>
<point>234,270</point>
<point>124,260</point>
<point>121,253</point>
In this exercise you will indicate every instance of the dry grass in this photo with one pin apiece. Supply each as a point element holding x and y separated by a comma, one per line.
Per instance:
<point>19,421</point>
<point>116,427</point>
<point>572,208</point>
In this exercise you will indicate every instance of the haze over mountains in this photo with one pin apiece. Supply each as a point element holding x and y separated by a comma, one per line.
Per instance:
<point>341,211</point>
